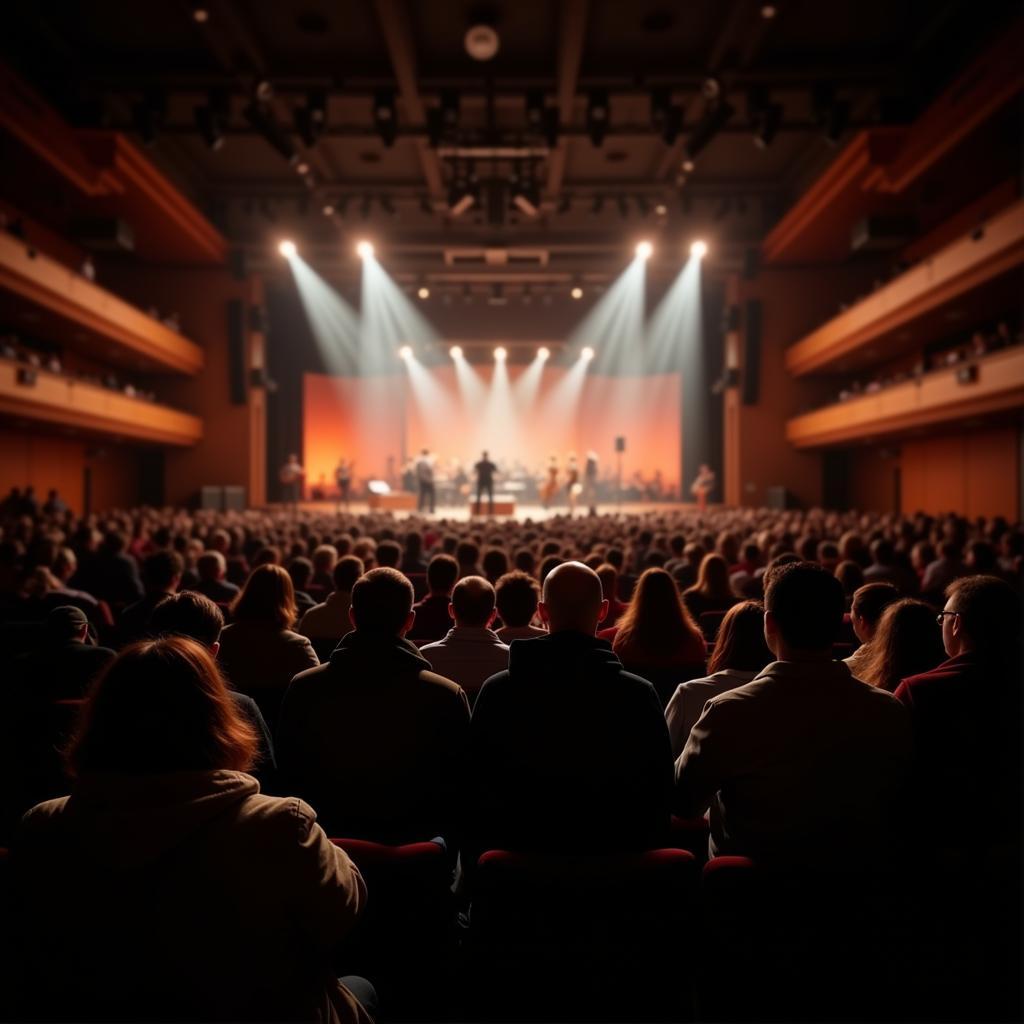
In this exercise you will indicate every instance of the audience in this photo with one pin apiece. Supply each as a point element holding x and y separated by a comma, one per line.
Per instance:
<point>869,601</point>
<point>886,568</point>
<point>947,568</point>
<point>804,764</point>
<point>259,653</point>
<point>967,718</point>
<point>516,595</point>
<point>374,739</point>
<point>656,636</point>
<point>740,653</point>
<point>212,568</point>
<point>179,889</point>
<point>567,749</point>
<point>907,642</point>
<point>712,592</point>
<point>432,618</point>
<point>161,574</point>
<point>326,623</point>
<point>470,652</point>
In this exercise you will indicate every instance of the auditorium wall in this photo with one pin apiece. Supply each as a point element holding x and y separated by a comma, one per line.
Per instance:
<point>233,448</point>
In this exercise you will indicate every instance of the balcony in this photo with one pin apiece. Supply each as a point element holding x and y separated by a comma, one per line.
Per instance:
<point>939,397</point>
<point>58,400</point>
<point>982,268</point>
<point>46,299</point>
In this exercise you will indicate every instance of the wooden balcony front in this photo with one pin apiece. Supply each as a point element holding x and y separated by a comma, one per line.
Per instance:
<point>902,314</point>
<point>62,401</point>
<point>47,300</point>
<point>936,398</point>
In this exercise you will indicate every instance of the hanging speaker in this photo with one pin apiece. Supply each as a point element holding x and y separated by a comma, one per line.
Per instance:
<point>751,378</point>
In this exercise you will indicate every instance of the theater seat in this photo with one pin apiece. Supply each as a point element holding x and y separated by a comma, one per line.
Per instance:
<point>405,941</point>
<point>691,834</point>
<point>582,936</point>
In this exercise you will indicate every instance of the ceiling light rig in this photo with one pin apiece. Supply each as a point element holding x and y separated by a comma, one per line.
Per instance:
<point>385,116</point>
<point>598,115</point>
<point>311,120</point>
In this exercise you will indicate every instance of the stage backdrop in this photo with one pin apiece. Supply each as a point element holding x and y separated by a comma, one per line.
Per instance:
<point>518,415</point>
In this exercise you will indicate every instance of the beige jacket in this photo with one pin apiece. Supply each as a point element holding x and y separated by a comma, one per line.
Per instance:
<point>187,896</point>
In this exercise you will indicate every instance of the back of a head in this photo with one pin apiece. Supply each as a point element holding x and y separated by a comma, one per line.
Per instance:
<point>524,561</point>
<point>161,706</point>
<point>656,623</point>
<point>346,571</point>
<point>63,624</point>
<point>572,598</point>
<point>161,569</point>
<point>609,577</point>
<point>381,601</point>
<point>872,599</point>
<point>442,572</point>
<point>882,552</point>
<point>473,601</point>
<point>494,564</point>
<point>740,644</point>
<point>325,557</point>
<point>713,578</point>
<point>268,597</point>
<point>389,554</point>
<point>301,571</point>
<point>908,641</point>
<point>548,565</point>
<point>466,554</point>
<point>516,596</point>
<point>187,614</point>
<point>850,576</point>
<point>806,601</point>
<point>210,566</point>
<point>413,544</point>
<point>990,614</point>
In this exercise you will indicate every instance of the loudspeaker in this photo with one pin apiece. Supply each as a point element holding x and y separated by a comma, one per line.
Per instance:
<point>620,444</point>
<point>752,354</point>
<point>234,498</point>
<point>211,497</point>
<point>236,351</point>
<point>778,498</point>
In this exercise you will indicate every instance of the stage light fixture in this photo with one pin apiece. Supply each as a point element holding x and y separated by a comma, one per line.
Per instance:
<point>768,11</point>
<point>311,119</point>
<point>424,292</point>
<point>287,249</point>
<point>149,115</point>
<point>598,115</point>
<point>364,249</point>
<point>209,123</point>
<point>500,354</point>
<point>405,353</point>
<point>200,14</point>
<point>661,210</point>
<point>328,209</point>
<point>587,354</point>
<point>543,352</point>
<point>766,125</point>
<point>644,250</point>
<point>263,121</point>
<point>385,118</point>
<point>577,292</point>
<point>716,116</point>
<point>455,351</point>
<point>699,248</point>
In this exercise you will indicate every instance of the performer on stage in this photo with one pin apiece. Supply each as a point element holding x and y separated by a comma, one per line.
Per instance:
<point>485,470</point>
<point>703,486</point>
<point>573,486</point>
<point>590,482</point>
<point>549,488</point>
<point>343,478</point>
<point>291,475</point>
<point>425,478</point>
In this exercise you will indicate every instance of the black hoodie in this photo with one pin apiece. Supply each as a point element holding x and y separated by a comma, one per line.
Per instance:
<point>375,741</point>
<point>567,750</point>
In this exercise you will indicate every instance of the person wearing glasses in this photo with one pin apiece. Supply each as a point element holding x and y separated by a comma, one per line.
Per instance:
<point>966,715</point>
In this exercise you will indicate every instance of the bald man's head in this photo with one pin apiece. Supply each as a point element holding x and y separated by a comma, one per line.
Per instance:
<point>573,599</point>
<point>472,602</point>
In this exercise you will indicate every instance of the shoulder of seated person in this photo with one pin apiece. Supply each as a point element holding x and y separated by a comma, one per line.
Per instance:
<point>285,813</point>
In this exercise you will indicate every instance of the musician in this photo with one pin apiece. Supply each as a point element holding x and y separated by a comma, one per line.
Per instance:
<point>485,470</point>
<point>573,486</point>
<point>549,488</point>
<point>291,476</point>
<point>702,486</point>
<point>590,482</point>
<point>343,478</point>
<point>425,479</point>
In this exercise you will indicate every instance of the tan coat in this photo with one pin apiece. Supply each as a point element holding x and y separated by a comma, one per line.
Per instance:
<point>183,896</point>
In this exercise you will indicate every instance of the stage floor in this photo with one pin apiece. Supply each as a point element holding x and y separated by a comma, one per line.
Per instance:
<point>460,513</point>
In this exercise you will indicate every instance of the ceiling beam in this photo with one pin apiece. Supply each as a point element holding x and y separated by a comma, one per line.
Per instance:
<point>572,33</point>
<point>394,23</point>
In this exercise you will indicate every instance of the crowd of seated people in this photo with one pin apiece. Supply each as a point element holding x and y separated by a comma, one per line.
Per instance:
<point>794,683</point>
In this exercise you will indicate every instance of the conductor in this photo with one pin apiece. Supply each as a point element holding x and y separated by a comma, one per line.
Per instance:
<point>485,470</point>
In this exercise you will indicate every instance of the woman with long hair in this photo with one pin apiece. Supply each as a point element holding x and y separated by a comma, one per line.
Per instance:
<point>712,592</point>
<point>259,651</point>
<point>656,636</point>
<point>182,892</point>
<point>739,655</point>
<point>908,641</point>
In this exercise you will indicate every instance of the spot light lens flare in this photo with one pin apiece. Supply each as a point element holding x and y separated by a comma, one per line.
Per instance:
<point>364,249</point>
<point>424,292</point>
<point>500,353</point>
<point>455,351</point>
<point>587,354</point>
<point>287,249</point>
<point>405,352</point>
<point>577,292</point>
<point>644,250</point>
<point>699,248</point>
<point>543,352</point>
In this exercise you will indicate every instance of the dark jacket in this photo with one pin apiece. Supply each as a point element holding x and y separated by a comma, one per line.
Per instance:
<point>218,591</point>
<point>110,576</point>
<point>432,618</point>
<point>375,741</point>
<point>567,749</point>
<point>966,714</point>
<point>61,671</point>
